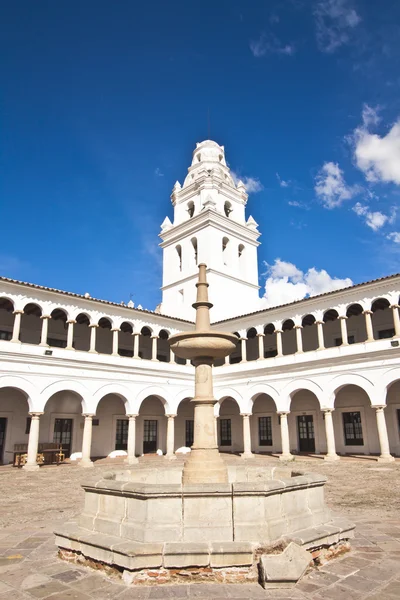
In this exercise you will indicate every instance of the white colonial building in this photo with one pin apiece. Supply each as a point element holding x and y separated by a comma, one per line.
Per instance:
<point>320,376</point>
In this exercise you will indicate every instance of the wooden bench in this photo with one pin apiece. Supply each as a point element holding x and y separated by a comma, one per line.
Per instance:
<point>48,453</point>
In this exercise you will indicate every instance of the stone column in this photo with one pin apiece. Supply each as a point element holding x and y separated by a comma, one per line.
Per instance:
<point>87,442</point>
<point>216,429</point>
<point>286,455</point>
<point>320,332</point>
<point>260,346</point>
<point>131,458</point>
<point>368,325</point>
<point>93,338</point>
<point>396,320</point>
<point>170,437</point>
<point>246,436</point>
<point>33,442</point>
<point>115,342</point>
<point>299,339</point>
<point>383,435</point>
<point>279,342</point>
<point>330,436</point>
<point>154,339</point>
<point>227,360</point>
<point>243,349</point>
<point>343,329</point>
<point>136,345</point>
<point>171,356</point>
<point>17,325</point>
<point>45,329</point>
<point>70,334</point>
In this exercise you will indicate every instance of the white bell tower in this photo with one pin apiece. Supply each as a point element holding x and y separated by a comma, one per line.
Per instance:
<point>210,227</point>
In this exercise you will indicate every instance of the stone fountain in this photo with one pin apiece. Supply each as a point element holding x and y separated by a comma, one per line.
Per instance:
<point>207,521</point>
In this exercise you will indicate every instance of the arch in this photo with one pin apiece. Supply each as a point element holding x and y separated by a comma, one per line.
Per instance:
<point>66,385</point>
<point>126,327</point>
<point>241,249</point>
<point>5,301</point>
<point>227,208</point>
<point>353,310</point>
<point>153,391</point>
<point>32,308</point>
<point>225,244</point>
<point>31,323</point>
<point>252,344</point>
<point>163,349</point>
<point>302,384</point>
<point>118,390</point>
<point>194,245</point>
<point>340,381</point>
<point>24,386</point>
<point>184,395</point>
<point>220,395</point>
<point>308,320</point>
<point>380,303</point>
<point>178,249</point>
<point>57,328</point>
<point>389,378</point>
<point>257,390</point>
<point>269,329</point>
<point>81,331</point>
<point>330,315</point>
<point>83,318</point>
<point>190,208</point>
<point>105,322</point>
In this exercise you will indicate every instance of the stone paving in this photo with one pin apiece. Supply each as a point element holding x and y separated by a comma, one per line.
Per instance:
<point>30,568</point>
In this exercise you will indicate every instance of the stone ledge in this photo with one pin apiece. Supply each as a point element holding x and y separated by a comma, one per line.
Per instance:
<point>323,535</point>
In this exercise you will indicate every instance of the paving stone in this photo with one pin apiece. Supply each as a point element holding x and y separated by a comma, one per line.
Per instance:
<point>360,583</point>
<point>4,587</point>
<point>206,590</point>
<point>339,568</point>
<point>137,592</point>
<point>68,576</point>
<point>17,595</point>
<point>34,580</point>
<point>44,590</point>
<point>390,546</point>
<point>107,591</point>
<point>338,592</point>
<point>392,589</point>
<point>70,595</point>
<point>90,583</point>
<point>246,591</point>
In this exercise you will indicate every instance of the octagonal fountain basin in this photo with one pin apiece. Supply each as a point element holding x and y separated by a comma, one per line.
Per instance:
<point>136,520</point>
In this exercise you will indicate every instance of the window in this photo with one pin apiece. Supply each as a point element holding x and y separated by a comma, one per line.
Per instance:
<point>194,244</point>
<point>398,419</point>
<point>179,253</point>
<point>28,425</point>
<point>121,434</point>
<point>270,353</point>
<point>162,358</point>
<point>95,422</point>
<point>353,434</point>
<point>5,335</point>
<point>350,338</point>
<point>264,431</point>
<point>225,432</point>
<point>189,429</point>
<point>57,343</point>
<point>385,333</point>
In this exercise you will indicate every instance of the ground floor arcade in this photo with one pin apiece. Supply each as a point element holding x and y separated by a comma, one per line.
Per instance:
<point>351,426</point>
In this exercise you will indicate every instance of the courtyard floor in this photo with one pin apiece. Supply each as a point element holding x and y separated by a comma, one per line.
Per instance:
<point>32,504</point>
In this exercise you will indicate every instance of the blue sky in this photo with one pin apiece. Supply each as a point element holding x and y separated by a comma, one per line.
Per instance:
<point>102,104</point>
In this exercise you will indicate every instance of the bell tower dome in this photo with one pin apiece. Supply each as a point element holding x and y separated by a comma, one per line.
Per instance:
<point>210,226</point>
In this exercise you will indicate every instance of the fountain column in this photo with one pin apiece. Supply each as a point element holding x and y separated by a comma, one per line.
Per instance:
<point>202,346</point>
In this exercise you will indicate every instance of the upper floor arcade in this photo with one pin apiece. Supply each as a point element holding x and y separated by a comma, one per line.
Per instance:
<point>344,325</point>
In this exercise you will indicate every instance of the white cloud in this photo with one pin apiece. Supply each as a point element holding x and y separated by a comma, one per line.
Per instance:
<point>374,219</point>
<point>378,157</point>
<point>334,21</point>
<point>282,182</point>
<point>286,283</point>
<point>270,44</point>
<point>394,237</point>
<point>370,115</point>
<point>157,172</point>
<point>331,187</point>
<point>252,184</point>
